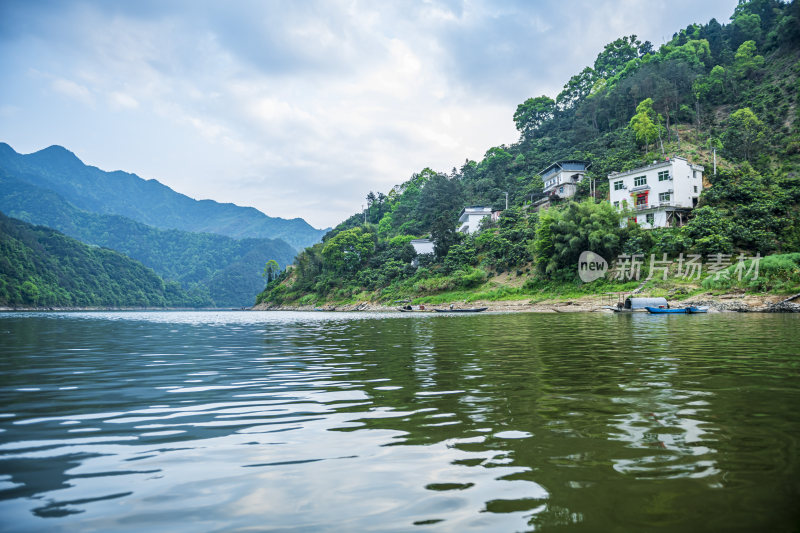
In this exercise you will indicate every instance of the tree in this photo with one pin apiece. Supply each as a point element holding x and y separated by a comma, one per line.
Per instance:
<point>562,236</point>
<point>616,55</point>
<point>577,88</point>
<point>745,134</point>
<point>645,130</point>
<point>271,270</point>
<point>746,61</point>
<point>444,236</point>
<point>348,249</point>
<point>532,113</point>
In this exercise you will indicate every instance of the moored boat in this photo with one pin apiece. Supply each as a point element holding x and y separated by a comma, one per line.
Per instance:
<point>677,310</point>
<point>470,310</point>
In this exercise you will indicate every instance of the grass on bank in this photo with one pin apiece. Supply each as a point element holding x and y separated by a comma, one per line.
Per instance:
<point>777,274</point>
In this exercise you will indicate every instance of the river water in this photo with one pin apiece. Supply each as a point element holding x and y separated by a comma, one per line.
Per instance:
<point>271,421</point>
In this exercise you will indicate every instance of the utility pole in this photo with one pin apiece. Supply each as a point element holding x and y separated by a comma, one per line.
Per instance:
<point>506,200</point>
<point>715,160</point>
<point>365,214</point>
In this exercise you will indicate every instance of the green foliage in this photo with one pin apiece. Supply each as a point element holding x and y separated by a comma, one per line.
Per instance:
<point>745,134</point>
<point>40,267</point>
<point>645,123</point>
<point>348,250</point>
<point>532,113</point>
<point>565,234</point>
<point>778,273</point>
<point>226,270</point>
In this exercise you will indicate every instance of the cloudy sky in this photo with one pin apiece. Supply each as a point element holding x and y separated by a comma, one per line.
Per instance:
<point>297,108</point>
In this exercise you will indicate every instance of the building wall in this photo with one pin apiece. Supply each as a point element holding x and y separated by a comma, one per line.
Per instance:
<point>563,178</point>
<point>422,246</point>
<point>470,219</point>
<point>683,188</point>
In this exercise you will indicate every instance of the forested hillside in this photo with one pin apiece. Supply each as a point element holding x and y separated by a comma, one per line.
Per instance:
<point>40,267</point>
<point>220,270</point>
<point>731,88</point>
<point>147,201</point>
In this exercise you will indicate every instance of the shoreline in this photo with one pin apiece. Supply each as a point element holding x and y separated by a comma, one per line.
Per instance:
<point>724,303</point>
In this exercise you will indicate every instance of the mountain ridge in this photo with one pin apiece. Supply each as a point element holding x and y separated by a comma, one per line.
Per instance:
<point>228,270</point>
<point>42,267</point>
<point>148,200</point>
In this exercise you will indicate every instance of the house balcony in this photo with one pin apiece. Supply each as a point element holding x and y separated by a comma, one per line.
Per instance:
<point>644,187</point>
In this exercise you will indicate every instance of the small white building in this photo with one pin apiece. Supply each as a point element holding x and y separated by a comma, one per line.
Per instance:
<point>562,177</point>
<point>469,220</point>
<point>422,247</point>
<point>661,195</point>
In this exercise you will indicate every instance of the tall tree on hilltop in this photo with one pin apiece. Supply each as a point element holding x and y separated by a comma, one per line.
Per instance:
<point>532,113</point>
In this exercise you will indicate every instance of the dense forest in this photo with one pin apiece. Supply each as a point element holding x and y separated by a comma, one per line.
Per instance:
<point>220,271</point>
<point>40,267</point>
<point>725,89</point>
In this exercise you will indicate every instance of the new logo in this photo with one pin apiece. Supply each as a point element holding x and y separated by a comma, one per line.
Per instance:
<point>591,267</point>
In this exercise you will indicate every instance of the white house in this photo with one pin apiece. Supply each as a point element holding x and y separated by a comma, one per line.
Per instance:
<point>561,177</point>
<point>422,247</point>
<point>661,194</point>
<point>470,218</point>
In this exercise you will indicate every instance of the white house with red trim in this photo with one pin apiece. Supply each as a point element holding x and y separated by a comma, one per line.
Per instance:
<point>661,195</point>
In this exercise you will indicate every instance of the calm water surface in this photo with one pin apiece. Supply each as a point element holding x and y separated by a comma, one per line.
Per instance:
<point>229,421</point>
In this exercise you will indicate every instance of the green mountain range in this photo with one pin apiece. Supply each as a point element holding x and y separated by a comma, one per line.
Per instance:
<point>40,267</point>
<point>225,272</point>
<point>147,201</point>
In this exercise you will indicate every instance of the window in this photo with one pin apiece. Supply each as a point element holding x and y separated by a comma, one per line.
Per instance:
<point>651,218</point>
<point>663,175</point>
<point>619,185</point>
<point>561,189</point>
<point>639,181</point>
<point>695,188</point>
<point>616,204</point>
<point>641,200</point>
<point>663,197</point>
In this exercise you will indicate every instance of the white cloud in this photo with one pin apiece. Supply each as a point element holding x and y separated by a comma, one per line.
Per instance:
<point>300,109</point>
<point>122,101</point>
<point>73,90</point>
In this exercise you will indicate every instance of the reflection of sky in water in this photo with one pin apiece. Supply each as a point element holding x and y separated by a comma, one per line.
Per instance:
<point>320,421</point>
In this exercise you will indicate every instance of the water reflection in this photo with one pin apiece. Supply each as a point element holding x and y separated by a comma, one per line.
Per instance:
<point>340,422</point>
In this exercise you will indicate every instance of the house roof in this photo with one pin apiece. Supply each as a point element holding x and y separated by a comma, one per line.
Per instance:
<point>566,164</point>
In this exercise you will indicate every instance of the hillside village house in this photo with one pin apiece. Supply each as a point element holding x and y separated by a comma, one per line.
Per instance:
<point>421,247</point>
<point>561,180</point>
<point>661,194</point>
<point>469,221</point>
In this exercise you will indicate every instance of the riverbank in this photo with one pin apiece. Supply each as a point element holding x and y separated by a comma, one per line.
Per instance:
<point>65,309</point>
<point>734,302</point>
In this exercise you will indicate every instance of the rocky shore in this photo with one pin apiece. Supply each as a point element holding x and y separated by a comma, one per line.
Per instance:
<point>740,303</point>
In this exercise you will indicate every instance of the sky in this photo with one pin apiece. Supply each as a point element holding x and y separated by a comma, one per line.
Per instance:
<point>298,108</point>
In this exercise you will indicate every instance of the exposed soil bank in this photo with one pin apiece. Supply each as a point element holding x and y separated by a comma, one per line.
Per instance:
<point>742,303</point>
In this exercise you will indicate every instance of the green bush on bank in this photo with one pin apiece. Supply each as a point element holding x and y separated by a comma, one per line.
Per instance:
<point>773,273</point>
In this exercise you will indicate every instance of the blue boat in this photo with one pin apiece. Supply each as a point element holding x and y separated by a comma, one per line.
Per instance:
<point>677,310</point>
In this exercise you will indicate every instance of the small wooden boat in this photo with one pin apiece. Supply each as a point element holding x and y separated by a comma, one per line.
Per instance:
<point>470,310</point>
<point>413,309</point>
<point>677,310</point>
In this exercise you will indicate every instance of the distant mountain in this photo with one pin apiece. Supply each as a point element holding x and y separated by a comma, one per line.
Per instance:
<point>44,268</point>
<point>227,272</point>
<point>147,201</point>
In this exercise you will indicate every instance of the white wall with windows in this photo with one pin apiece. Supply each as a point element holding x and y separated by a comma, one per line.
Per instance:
<point>657,189</point>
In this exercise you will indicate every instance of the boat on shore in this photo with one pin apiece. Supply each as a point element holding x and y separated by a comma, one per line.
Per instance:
<point>691,310</point>
<point>470,310</point>
<point>414,309</point>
